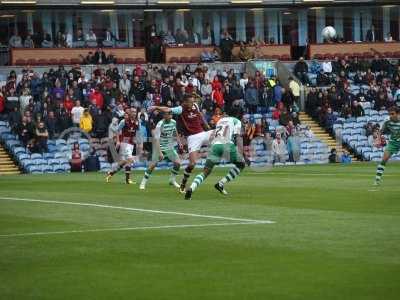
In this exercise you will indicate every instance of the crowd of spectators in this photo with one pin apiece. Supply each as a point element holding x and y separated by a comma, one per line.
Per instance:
<point>64,39</point>
<point>344,85</point>
<point>42,106</point>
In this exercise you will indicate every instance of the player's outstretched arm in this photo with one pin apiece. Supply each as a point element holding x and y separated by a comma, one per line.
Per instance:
<point>163,109</point>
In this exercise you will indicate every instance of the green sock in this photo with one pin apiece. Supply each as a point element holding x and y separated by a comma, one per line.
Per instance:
<point>197,181</point>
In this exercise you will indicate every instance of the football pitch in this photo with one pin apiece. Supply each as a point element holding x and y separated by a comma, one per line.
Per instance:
<point>302,232</point>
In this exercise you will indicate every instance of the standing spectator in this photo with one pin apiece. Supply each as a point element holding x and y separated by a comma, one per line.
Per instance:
<point>208,36</point>
<point>295,89</point>
<point>371,34</point>
<point>76,159</point>
<point>226,46</point>
<point>96,98</point>
<point>86,122</point>
<point>41,137</point>
<point>76,113</point>
<point>100,124</point>
<point>99,57</point>
<point>51,124</point>
<point>251,98</point>
<point>25,131</point>
<point>278,149</point>
<point>125,84</point>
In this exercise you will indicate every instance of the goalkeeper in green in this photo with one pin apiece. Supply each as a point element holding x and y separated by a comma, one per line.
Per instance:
<point>222,146</point>
<point>164,141</point>
<point>392,128</point>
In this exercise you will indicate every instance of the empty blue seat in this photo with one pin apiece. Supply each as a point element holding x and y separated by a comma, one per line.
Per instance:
<point>36,156</point>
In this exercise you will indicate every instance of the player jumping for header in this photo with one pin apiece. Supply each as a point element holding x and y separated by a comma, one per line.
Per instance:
<point>127,137</point>
<point>391,127</point>
<point>227,131</point>
<point>191,124</point>
<point>164,141</point>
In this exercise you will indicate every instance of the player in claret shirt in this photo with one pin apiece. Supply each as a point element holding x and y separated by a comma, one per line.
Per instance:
<point>127,129</point>
<point>191,125</point>
<point>392,128</point>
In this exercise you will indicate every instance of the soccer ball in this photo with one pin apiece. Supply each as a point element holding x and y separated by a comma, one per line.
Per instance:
<point>328,33</point>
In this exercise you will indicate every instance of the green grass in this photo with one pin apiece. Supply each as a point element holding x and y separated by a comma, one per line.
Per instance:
<point>333,238</point>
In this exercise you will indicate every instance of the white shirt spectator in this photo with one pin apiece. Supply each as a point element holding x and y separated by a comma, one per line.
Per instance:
<point>69,40</point>
<point>125,86</point>
<point>15,41</point>
<point>76,113</point>
<point>327,67</point>
<point>24,102</point>
<point>279,149</point>
<point>243,82</point>
<point>91,37</point>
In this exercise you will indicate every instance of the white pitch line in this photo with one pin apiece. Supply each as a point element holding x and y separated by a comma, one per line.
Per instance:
<point>127,229</point>
<point>137,209</point>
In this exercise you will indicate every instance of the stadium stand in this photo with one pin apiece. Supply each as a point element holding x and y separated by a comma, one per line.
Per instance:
<point>50,97</point>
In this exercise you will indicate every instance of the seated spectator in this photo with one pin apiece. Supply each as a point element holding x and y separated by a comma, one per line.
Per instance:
<point>206,56</point>
<point>333,156</point>
<point>244,53</point>
<point>41,136</point>
<point>68,40</point>
<point>28,43</point>
<point>376,140</point>
<point>315,67</point>
<point>169,39</point>
<point>113,128</point>
<point>345,158</point>
<point>15,40</point>
<point>91,36</point>
<point>76,159</point>
<point>327,67</point>
<point>109,38</point>
<point>216,55</point>
<point>47,41</point>
<point>388,37</point>
<point>60,40</point>
<point>301,70</point>
<point>193,37</point>
<point>278,149</point>
<point>86,122</point>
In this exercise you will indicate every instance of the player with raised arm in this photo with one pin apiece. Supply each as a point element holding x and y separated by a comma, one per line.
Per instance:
<point>224,145</point>
<point>127,129</point>
<point>164,141</point>
<point>392,128</point>
<point>191,124</point>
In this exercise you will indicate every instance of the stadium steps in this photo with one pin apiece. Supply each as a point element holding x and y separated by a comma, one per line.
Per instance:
<point>321,133</point>
<point>7,165</point>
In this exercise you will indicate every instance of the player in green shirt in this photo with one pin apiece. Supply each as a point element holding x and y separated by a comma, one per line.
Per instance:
<point>222,146</point>
<point>391,127</point>
<point>164,141</point>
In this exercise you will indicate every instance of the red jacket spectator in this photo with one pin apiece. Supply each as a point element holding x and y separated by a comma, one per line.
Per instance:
<point>218,97</point>
<point>96,98</point>
<point>68,103</point>
<point>1,103</point>
<point>138,71</point>
<point>216,84</point>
